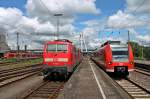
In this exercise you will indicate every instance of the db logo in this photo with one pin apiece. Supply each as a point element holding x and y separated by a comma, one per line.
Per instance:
<point>55,63</point>
<point>120,64</point>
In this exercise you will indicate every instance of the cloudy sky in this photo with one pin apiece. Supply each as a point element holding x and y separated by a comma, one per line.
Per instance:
<point>98,20</point>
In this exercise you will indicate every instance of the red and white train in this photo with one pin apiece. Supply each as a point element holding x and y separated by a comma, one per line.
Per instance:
<point>115,57</point>
<point>21,54</point>
<point>60,57</point>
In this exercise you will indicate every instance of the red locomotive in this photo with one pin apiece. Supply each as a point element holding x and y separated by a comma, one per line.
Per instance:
<point>113,56</point>
<point>60,58</point>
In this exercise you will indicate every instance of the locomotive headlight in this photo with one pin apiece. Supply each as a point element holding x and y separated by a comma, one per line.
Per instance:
<point>131,62</point>
<point>48,59</point>
<point>110,62</point>
<point>63,59</point>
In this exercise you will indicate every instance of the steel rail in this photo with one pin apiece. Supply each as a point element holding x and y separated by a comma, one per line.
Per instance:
<point>51,91</point>
<point>134,89</point>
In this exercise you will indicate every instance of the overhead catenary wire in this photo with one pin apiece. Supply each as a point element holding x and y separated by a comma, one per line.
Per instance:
<point>41,1</point>
<point>55,14</point>
<point>45,6</point>
<point>134,11</point>
<point>110,34</point>
<point>139,6</point>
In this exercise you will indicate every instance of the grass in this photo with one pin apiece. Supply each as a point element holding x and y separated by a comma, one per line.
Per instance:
<point>25,63</point>
<point>8,60</point>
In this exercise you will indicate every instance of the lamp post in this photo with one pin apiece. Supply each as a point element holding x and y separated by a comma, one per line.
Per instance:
<point>18,47</point>
<point>128,36</point>
<point>142,49</point>
<point>57,15</point>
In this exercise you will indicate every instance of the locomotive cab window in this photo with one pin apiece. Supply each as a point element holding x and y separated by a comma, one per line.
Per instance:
<point>57,48</point>
<point>120,54</point>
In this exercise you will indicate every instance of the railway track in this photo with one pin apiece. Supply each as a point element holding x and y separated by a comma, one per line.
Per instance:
<point>9,76</point>
<point>7,63</point>
<point>135,90</point>
<point>142,71</point>
<point>142,66</point>
<point>47,90</point>
<point>17,68</point>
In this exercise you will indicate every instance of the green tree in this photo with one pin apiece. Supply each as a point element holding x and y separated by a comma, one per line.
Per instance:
<point>147,53</point>
<point>137,51</point>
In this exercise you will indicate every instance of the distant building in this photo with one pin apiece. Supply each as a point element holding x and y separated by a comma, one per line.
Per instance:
<point>3,45</point>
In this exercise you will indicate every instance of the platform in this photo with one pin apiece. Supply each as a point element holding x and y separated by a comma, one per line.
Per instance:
<point>90,82</point>
<point>146,62</point>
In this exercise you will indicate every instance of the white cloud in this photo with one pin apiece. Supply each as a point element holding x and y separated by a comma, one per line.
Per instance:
<point>136,6</point>
<point>96,33</point>
<point>133,18</point>
<point>136,14</point>
<point>9,18</point>
<point>42,21</point>
<point>145,38</point>
<point>91,32</point>
<point>67,7</point>
<point>123,20</point>
<point>44,10</point>
<point>12,15</point>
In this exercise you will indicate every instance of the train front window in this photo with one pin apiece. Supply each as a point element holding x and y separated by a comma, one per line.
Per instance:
<point>61,47</point>
<point>57,48</point>
<point>120,54</point>
<point>124,53</point>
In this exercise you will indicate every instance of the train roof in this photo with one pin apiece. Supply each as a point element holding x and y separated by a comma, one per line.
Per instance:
<point>63,40</point>
<point>111,42</point>
<point>60,40</point>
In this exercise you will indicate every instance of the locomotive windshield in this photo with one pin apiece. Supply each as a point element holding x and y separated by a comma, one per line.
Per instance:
<point>120,54</point>
<point>124,53</point>
<point>57,48</point>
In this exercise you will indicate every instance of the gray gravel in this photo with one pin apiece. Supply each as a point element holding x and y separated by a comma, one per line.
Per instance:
<point>141,79</point>
<point>82,84</point>
<point>143,62</point>
<point>17,90</point>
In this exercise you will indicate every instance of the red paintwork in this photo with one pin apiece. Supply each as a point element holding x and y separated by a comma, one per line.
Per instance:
<point>131,57</point>
<point>104,56</point>
<point>73,56</point>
